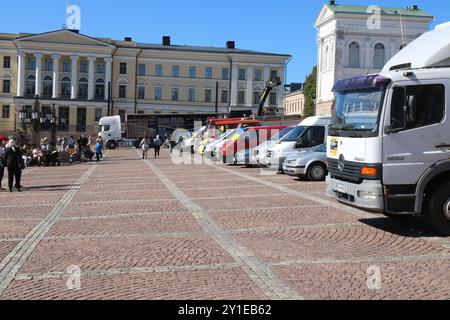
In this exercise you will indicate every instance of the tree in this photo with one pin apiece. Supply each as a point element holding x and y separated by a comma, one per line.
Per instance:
<point>310,93</point>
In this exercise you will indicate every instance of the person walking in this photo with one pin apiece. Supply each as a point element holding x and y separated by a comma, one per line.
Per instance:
<point>157,143</point>
<point>14,162</point>
<point>98,151</point>
<point>100,140</point>
<point>145,145</point>
<point>2,161</point>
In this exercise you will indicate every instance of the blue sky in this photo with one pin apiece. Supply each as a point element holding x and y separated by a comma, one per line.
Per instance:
<point>283,26</point>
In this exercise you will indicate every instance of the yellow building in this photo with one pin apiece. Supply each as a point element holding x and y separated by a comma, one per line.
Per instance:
<point>72,72</point>
<point>294,103</point>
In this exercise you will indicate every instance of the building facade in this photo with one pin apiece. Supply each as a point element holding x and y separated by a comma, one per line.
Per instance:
<point>294,103</point>
<point>357,40</point>
<point>71,73</point>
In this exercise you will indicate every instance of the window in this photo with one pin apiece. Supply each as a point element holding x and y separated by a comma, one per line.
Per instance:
<point>241,97</point>
<point>256,97</point>
<point>273,99</point>
<point>83,66</point>
<point>378,61</point>
<point>158,93</point>
<point>5,112</point>
<point>48,86</point>
<point>142,69</point>
<point>141,92</point>
<point>175,94</point>
<point>81,119</point>
<point>208,95</point>
<point>100,89</point>
<point>7,62</point>
<point>64,117</point>
<point>258,75</point>
<point>83,88</point>
<point>159,70</point>
<point>192,72</point>
<point>225,74</point>
<point>313,136</point>
<point>208,73</point>
<point>6,86</point>
<point>31,85</point>
<point>175,71</point>
<point>241,74</point>
<point>273,74</point>
<point>31,64</point>
<point>98,114</point>
<point>48,65</point>
<point>123,68</point>
<point>122,92</point>
<point>66,66</point>
<point>353,55</point>
<point>100,67</point>
<point>65,87</point>
<point>417,106</point>
<point>191,95</point>
<point>224,96</point>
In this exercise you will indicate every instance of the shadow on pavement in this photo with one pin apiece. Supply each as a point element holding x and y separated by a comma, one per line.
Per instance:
<point>409,227</point>
<point>63,187</point>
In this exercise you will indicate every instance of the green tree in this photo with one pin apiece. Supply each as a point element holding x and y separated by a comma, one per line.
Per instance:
<point>310,93</point>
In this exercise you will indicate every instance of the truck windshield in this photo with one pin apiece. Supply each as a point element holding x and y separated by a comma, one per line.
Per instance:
<point>294,134</point>
<point>356,113</point>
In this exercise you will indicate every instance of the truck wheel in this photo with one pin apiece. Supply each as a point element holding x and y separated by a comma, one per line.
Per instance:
<point>112,145</point>
<point>317,172</point>
<point>438,213</point>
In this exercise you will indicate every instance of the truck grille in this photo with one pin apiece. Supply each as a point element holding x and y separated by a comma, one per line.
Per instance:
<point>351,173</point>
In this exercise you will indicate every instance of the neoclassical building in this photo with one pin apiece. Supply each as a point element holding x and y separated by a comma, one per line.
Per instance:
<point>294,103</point>
<point>352,41</point>
<point>72,73</point>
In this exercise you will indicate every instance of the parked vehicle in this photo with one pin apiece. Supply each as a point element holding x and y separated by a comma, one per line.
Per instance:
<point>310,135</point>
<point>111,131</point>
<point>211,148</point>
<point>309,164</point>
<point>259,154</point>
<point>245,141</point>
<point>395,159</point>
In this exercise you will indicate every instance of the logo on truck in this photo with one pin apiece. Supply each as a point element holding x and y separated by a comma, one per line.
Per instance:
<point>341,163</point>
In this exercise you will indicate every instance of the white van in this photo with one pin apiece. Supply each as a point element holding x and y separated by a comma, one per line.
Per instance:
<point>309,135</point>
<point>111,131</point>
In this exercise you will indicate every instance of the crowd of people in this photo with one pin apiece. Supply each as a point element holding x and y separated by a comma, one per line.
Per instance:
<point>15,157</point>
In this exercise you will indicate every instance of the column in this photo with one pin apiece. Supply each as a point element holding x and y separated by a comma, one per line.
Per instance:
<point>250,86</point>
<point>281,91</point>
<point>234,81</point>
<point>21,74</point>
<point>56,59</point>
<point>91,78</point>
<point>108,79</point>
<point>38,87</point>
<point>74,82</point>
<point>266,78</point>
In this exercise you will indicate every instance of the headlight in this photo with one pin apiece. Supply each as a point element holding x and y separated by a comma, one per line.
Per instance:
<point>367,195</point>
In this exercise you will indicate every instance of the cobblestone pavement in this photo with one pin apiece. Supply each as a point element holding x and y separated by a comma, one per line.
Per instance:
<point>135,229</point>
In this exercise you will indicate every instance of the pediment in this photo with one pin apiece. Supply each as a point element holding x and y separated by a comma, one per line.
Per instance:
<point>324,15</point>
<point>63,37</point>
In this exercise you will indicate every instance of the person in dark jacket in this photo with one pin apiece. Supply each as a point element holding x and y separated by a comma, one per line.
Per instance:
<point>2,160</point>
<point>14,163</point>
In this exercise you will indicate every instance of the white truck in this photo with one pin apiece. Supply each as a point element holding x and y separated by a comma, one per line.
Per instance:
<point>111,131</point>
<point>389,141</point>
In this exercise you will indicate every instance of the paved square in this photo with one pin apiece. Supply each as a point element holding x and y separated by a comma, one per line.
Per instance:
<point>135,229</point>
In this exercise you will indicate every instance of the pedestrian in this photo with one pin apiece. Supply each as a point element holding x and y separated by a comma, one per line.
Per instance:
<point>15,164</point>
<point>98,151</point>
<point>2,161</point>
<point>157,143</point>
<point>145,146</point>
<point>100,140</point>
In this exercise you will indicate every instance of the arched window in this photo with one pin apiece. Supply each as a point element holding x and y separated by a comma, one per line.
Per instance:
<point>48,86</point>
<point>353,55</point>
<point>83,88</point>
<point>31,85</point>
<point>100,89</point>
<point>65,87</point>
<point>378,61</point>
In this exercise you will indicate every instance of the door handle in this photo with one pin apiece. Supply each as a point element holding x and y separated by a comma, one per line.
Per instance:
<point>442,146</point>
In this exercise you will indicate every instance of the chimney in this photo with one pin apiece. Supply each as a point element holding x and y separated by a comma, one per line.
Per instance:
<point>166,41</point>
<point>332,2</point>
<point>415,7</point>
<point>128,39</point>
<point>231,45</point>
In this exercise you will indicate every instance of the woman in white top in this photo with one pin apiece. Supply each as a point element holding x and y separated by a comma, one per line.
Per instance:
<point>145,145</point>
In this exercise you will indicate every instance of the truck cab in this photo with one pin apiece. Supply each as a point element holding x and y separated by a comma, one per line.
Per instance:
<point>389,141</point>
<point>111,131</point>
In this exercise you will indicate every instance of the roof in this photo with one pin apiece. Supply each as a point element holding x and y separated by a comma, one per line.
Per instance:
<point>405,12</point>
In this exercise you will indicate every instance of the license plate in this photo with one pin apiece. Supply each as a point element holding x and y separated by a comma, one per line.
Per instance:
<point>342,189</point>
